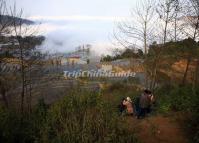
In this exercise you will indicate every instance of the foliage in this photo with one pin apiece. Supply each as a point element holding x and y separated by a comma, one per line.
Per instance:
<point>87,119</point>
<point>162,57</point>
<point>119,90</point>
<point>79,117</point>
<point>127,53</point>
<point>183,99</point>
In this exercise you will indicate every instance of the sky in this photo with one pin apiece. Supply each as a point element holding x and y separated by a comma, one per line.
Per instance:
<point>75,7</point>
<point>76,22</point>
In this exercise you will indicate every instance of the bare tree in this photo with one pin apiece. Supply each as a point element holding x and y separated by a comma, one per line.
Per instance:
<point>139,28</point>
<point>195,5</point>
<point>191,20</point>
<point>176,23</point>
<point>177,9</point>
<point>166,11</point>
<point>195,20</point>
<point>32,70</point>
<point>22,32</point>
<point>5,21</point>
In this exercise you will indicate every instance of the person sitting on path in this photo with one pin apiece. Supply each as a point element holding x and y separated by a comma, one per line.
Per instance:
<point>129,105</point>
<point>122,107</point>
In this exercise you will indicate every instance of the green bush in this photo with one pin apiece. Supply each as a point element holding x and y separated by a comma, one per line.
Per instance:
<point>85,118</point>
<point>181,98</point>
<point>177,98</point>
<point>18,128</point>
<point>81,117</point>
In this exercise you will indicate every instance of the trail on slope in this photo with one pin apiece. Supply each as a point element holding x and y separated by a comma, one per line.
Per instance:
<point>157,129</point>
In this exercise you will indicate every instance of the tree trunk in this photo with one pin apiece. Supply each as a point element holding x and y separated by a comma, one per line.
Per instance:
<point>197,63</point>
<point>196,73</point>
<point>176,28</point>
<point>145,38</point>
<point>22,77</point>
<point>153,79</point>
<point>186,71</point>
<point>196,29</point>
<point>22,98</point>
<point>30,91</point>
<point>3,92</point>
<point>165,28</point>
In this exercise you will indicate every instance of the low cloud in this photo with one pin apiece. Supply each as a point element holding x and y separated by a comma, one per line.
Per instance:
<point>78,18</point>
<point>64,34</point>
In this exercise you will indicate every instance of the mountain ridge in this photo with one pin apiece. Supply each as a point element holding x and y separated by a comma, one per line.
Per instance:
<point>7,18</point>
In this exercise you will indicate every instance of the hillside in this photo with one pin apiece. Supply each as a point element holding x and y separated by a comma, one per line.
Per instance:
<point>6,19</point>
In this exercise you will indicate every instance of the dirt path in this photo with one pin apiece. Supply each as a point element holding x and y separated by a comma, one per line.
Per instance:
<point>157,129</point>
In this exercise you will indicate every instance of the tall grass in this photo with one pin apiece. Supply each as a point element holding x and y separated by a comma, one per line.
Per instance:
<point>80,117</point>
<point>86,118</point>
<point>183,99</point>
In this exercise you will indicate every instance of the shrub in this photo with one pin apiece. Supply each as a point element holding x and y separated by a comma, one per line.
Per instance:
<point>181,98</point>
<point>18,128</point>
<point>85,118</point>
<point>80,117</point>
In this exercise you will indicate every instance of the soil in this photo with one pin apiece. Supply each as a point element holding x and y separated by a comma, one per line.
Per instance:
<point>158,129</point>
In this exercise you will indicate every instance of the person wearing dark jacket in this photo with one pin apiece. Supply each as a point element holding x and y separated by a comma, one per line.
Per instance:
<point>122,107</point>
<point>144,104</point>
<point>137,105</point>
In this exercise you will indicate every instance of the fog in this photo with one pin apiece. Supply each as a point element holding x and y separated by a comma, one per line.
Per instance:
<point>64,35</point>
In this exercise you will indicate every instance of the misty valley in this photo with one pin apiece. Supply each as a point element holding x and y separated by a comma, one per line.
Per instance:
<point>99,71</point>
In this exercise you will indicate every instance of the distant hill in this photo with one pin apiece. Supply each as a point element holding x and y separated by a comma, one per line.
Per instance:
<point>6,18</point>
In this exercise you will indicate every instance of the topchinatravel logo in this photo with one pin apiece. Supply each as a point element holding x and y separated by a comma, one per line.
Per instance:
<point>93,73</point>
